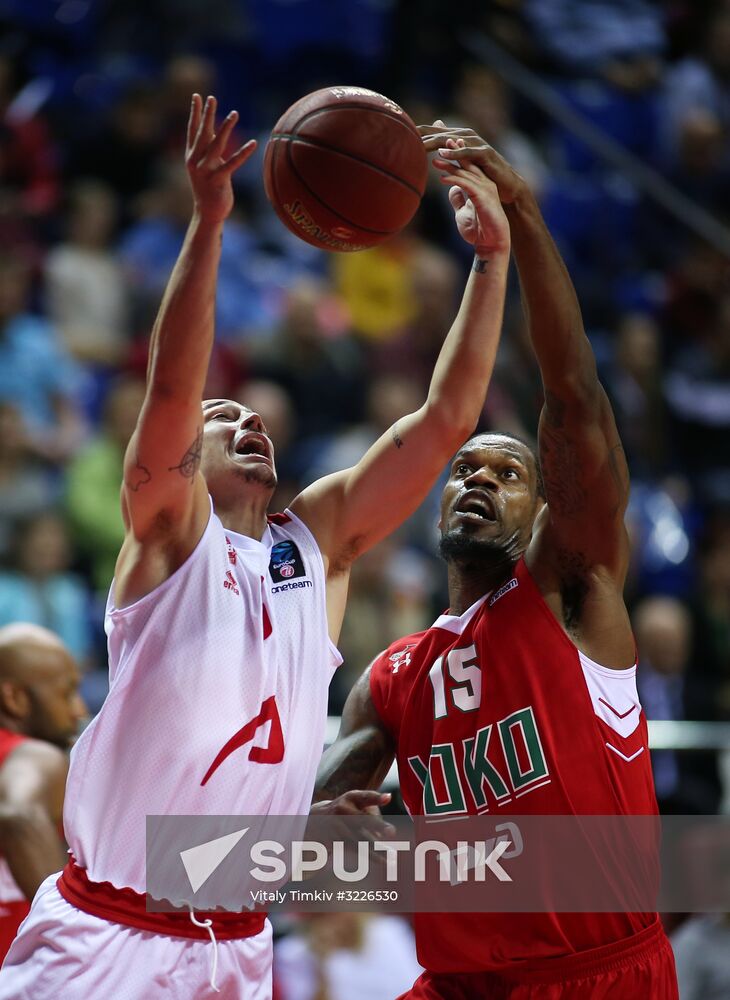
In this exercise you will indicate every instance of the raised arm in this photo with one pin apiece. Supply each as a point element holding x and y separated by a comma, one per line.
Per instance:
<point>164,496</point>
<point>32,782</point>
<point>352,510</point>
<point>363,752</point>
<point>583,464</point>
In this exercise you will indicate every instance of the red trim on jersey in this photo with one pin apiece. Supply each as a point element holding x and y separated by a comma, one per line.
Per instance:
<point>125,906</point>
<point>12,915</point>
<point>267,623</point>
<point>278,518</point>
<point>8,742</point>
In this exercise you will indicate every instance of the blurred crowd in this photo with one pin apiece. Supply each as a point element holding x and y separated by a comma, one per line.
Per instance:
<point>330,349</point>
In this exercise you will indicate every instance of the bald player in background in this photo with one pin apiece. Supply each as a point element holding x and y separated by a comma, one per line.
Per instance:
<point>40,711</point>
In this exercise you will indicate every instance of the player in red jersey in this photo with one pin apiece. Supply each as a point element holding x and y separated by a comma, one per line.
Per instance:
<point>522,698</point>
<point>40,710</point>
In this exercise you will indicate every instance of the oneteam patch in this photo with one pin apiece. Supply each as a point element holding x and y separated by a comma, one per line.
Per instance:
<point>286,562</point>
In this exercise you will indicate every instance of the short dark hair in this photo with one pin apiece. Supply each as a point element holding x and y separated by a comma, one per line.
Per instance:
<point>527,444</point>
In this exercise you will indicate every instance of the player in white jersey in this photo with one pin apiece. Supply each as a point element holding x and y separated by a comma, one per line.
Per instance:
<point>221,623</point>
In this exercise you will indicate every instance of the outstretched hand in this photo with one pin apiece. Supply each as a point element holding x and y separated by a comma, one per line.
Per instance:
<point>470,148</point>
<point>209,169</point>
<point>474,196</point>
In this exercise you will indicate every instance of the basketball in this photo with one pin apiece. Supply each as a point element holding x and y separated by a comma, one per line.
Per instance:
<point>345,168</point>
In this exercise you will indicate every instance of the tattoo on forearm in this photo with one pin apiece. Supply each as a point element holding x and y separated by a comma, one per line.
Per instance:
<point>139,476</point>
<point>396,437</point>
<point>190,461</point>
<point>479,265</point>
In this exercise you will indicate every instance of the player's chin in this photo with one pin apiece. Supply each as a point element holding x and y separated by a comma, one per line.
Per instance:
<point>259,474</point>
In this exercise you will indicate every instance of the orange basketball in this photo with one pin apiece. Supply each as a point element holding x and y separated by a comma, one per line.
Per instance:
<point>345,168</point>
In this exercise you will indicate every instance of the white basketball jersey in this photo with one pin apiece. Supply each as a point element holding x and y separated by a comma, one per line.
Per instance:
<point>217,700</point>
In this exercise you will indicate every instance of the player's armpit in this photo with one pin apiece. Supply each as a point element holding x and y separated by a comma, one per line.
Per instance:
<point>363,752</point>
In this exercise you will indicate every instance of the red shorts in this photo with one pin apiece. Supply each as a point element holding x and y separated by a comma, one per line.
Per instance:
<point>641,966</point>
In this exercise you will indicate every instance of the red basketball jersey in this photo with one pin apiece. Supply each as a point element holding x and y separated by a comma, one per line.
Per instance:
<point>14,907</point>
<point>496,711</point>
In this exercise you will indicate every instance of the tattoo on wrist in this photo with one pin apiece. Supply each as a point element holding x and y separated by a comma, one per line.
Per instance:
<point>480,265</point>
<point>396,437</point>
<point>190,461</point>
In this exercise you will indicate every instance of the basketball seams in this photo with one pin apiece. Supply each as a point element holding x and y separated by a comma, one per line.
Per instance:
<point>379,175</point>
<point>292,137</point>
<point>343,218</point>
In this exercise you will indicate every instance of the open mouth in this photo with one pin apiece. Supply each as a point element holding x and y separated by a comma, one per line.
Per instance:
<point>252,445</point>
<point>476,506</point>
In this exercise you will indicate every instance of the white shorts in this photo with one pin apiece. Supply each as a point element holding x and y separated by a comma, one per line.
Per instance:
<point>62,953</point>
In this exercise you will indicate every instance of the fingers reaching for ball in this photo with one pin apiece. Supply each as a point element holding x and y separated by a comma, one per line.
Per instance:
<point>208,166</point>
<point>465,146</point>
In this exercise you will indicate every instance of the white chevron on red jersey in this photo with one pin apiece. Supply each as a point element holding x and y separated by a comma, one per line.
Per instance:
<point>496,712</point>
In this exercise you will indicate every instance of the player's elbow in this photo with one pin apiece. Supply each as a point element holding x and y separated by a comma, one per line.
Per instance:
<point>451,421</point>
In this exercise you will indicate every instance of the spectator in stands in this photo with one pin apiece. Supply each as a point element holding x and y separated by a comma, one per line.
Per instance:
<point>663,629</point>
<point>84,283</point>
<point>36,375</point>
<point>620,42</point>
<point>698,394</point>
<point>315,359</point>
<point>482,101</point>
<point>697,93</point>
<point>124,152</point>
<point>432,282</point>
<point>92,483</point>
<point>245,304</point>
<point>702,955</point>
<point>39,589</point>
<point>28,159</point>
<point>25,486</point>
<point>634,383</point>
<point>345,956</point>
<point>184,75</point>
<point>711,614</point>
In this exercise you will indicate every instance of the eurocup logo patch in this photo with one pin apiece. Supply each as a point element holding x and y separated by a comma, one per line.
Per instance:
<point>286,562</point>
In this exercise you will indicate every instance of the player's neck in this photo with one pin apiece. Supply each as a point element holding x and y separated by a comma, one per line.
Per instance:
<point>469,581</point>
<point>249,520</point>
